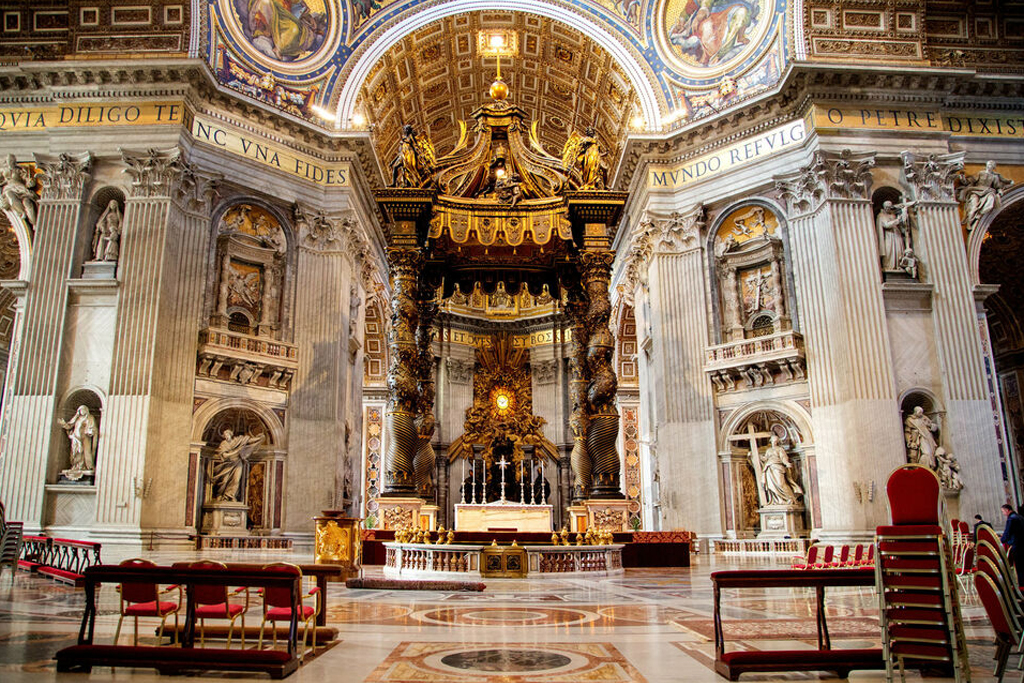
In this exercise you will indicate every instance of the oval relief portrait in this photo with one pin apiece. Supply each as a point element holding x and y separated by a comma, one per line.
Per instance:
<point>703,38</point>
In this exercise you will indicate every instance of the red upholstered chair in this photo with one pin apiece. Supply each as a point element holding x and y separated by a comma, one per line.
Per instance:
<point>212,602</point>
<point>826,560</point>
<point>989,558</point>
<point>143,600</point>
<point>858,556</point>
<point>277,606</point>
<point>913,493</point>
<point>807,562</point>
<point>1008,632</point>
<point>869,558</point>
<point>986,534</point>
<point>844,558</point>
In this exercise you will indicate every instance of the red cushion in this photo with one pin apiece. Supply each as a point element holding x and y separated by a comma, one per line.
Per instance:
<point>913,496</point>
<point>214,611</point>
<point>149,609</point>
<point>909,530</point>
<point>285,613</point>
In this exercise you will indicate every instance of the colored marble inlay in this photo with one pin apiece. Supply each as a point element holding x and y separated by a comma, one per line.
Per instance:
<point>374,430</point>
<point>631,470</point>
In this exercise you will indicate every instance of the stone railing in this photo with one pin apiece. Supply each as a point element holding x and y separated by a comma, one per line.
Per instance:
<point>576,560</point>
<point>756,362</point>
<point>245,359</point>
<point>762,546</point>
<point>426,561</point>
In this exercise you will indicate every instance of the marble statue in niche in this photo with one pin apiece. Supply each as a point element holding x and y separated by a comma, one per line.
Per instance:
<point>919,432</point>
<point>779,486</point>
<point>82,432</point>
<point>17,190</point>
<point>981,194</point>
<point>948,469</point>
<point>106,237</point>
<point>895,239</point>
<point>228,464</point>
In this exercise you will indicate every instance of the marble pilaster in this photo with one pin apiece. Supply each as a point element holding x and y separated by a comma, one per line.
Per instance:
<point>29,412</point>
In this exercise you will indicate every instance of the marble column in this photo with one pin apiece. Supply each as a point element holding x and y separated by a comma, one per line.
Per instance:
<point>30,411</point>
<point>684,431</point>
<point>970,424</point>
<point>857,433</point>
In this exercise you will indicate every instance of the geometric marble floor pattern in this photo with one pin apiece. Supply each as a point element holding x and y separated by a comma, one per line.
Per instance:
<point>649,626</point>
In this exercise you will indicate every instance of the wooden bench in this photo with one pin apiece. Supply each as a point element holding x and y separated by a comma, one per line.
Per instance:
<point>824,658</point>
<point>175,660</point>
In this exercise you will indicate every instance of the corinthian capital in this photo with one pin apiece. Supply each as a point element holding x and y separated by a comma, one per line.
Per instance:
<point>194,189</point>
<point>321,232</point>
<point>154,172</point>
<point>829,176</point>
<point>64,176</point>
<point>931,179</point>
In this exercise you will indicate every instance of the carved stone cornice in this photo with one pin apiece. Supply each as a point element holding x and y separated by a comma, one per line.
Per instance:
<point>931,179</point>
<point>65,175</point>
<point>829,176</point>
<point>154,172</point>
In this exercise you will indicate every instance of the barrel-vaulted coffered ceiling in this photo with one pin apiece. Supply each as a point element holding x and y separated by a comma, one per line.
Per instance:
<point>435,77</point>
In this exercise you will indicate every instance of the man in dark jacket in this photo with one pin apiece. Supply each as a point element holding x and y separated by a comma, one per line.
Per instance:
<point>1013,536</point>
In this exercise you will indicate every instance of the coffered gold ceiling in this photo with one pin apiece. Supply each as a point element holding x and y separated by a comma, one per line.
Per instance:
<point>434,78</point>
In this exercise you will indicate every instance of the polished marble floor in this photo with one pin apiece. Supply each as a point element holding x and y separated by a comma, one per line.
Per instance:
<point>650,626</point>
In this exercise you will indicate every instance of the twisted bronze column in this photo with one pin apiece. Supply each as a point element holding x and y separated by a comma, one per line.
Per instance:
<point>423,462</point>
<point>399,418</point>
<point>603,422</point>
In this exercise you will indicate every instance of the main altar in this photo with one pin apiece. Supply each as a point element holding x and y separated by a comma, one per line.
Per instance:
<point>500,216</point>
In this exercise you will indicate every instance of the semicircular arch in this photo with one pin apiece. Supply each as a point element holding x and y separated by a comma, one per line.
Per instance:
<point>790,409</point>
<point>209,410</point>
<point>635,68</point>
<point>1012,202</point>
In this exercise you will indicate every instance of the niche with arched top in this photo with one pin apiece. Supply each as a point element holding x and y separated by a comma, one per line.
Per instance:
<point>78,420</point>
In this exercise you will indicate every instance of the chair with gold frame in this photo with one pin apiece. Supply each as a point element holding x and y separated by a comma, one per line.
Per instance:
<point>143,600</point>
<point>213,602</point>
<point>277,606</point>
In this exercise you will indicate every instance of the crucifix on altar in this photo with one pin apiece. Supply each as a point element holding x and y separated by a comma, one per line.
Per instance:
<point>780,497</point>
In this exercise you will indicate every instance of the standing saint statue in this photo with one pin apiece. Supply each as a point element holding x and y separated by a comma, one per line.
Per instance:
<point>107,236</point>
<point>893,226</point>
<point>228,464</point>
<point>981,194</point>
<point>919,434</point>
<point>17,190</point>
<point>777,476</point>
<point>82,433</point>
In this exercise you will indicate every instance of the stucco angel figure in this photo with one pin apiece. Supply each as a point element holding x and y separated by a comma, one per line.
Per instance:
<point>584,152</point>
<point>919,434</point>
<point>82,434</point>
<point>107,236</point>
<point>17,190</point>
<point>780,488</point>
<point>948,469</point>
<point>981,194</point>
<point>228,464</point>
<point>415,160</point>
<point>893,226</point>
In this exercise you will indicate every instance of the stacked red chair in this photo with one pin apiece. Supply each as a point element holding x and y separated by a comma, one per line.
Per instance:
<point>919,606</point>
<point>996,584</point>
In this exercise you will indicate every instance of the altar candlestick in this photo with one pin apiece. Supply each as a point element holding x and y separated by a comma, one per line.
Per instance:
<point>462,485</point>
<point>473,497</point>
<point>543,488</point>
<point>522,483</point>
<point>533,475</point>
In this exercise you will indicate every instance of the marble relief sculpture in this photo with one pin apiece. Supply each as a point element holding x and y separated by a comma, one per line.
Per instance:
<point>228,464</point>
<point>919,432</point>
<point>17,190</point>
<point>107,235</point>
<point>82,432</point>
<point>981,194</point>
<point>948,469</point>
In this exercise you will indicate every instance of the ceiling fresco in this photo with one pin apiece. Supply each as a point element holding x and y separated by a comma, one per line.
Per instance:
<point>697,56</point>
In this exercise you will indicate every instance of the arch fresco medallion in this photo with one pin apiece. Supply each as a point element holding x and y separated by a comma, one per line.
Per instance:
<point>705,38</point>
<point>284,34</point>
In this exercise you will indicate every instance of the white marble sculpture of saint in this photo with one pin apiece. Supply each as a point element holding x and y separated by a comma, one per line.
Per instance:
<point>228,464</point>
<point>893,228</point>
<point>777,476</point>
<point>919,434</point>
<point>948,469</point>
<point>81,429</point>
<point>16,190</point>
<point>981,194</point>
<point>107,236</point>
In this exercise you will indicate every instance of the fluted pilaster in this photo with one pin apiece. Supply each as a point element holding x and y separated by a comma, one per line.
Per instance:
<point>29,414</point>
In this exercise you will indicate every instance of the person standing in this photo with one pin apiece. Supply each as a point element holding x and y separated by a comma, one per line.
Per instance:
<point>1013,536</point>
<point>978,521</point>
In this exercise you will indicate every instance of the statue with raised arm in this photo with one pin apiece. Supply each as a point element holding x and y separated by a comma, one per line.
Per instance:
<point>228,464</point>
<point>17,190</point>
<point>893,226</point>
<point>919,434</point>
<point>780,488</point>
<point>82,432</point>
<point>981,194</point>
